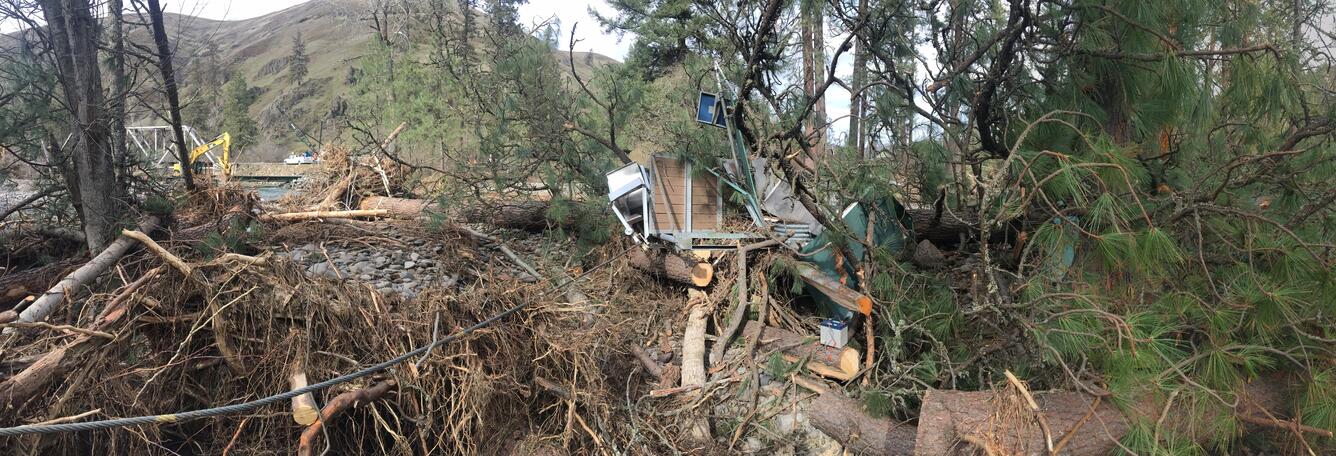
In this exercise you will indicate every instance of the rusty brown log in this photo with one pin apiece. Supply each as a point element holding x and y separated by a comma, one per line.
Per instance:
<point>335,407</point>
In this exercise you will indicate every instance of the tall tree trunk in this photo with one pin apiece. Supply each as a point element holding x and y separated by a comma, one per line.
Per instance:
<point>857,100</point>
<point>169,83</point>
<point>73,36</point>
<point>118,91</point>
<point>814,72</point>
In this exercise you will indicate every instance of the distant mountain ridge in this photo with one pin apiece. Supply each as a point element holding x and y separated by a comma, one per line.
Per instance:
<point>336,34</point>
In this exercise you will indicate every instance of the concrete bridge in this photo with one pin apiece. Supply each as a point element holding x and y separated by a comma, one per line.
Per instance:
<point>273,171</point>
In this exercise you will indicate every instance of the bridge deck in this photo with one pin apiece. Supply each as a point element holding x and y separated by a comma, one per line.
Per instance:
<point>274,170</point>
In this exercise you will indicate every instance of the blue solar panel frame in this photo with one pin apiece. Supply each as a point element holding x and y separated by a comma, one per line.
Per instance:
<point>710,110</point>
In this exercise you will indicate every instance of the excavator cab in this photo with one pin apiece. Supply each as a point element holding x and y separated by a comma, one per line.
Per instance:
<point>197,166</point>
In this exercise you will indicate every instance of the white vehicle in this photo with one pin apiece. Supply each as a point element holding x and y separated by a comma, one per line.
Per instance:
<point>299,160</point>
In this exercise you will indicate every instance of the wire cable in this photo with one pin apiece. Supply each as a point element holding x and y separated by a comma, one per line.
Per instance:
<point>252,405</point>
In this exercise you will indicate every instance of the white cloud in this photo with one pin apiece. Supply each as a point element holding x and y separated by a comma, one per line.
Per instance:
<point>589,34</point>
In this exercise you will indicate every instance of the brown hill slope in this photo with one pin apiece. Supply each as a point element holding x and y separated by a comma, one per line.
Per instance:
<point>337,34</point>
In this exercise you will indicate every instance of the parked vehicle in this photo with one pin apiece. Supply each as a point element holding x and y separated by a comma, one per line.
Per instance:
<point>303,159</point>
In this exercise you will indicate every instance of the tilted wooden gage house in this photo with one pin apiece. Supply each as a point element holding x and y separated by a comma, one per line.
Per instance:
<point>675,202</point>
<point>671,200</point>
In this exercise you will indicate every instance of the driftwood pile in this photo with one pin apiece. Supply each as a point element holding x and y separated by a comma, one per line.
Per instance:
<point>186,331</point>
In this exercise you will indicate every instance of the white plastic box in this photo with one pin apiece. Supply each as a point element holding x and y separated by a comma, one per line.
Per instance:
<point>834,333</point>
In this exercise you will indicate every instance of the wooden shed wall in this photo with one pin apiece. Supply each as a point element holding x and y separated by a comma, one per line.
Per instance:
<point>670,197</point>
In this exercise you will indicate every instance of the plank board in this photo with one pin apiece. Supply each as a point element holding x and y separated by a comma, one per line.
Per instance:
<point>670,212</point>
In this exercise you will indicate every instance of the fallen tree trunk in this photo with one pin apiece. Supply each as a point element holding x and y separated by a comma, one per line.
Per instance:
<point>526,215</point>
<point>299,216</point>
<point>76,280</point>
<point>27,383</point>
<point>399,207</point>
<point>20,284</point>
<point>942,227</point>
<point>837,363</point>
<point>340,403</point>
<point>1073,423</point>
<point>1078,423</point>
<point>693,355</point>
<point>843,419</point>
<point>676,267</point>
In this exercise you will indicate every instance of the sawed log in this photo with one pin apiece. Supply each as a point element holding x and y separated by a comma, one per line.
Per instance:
<point>837,363</point>
<point>673,266</point>
<point>1079,424</point>
<point>838,293</point>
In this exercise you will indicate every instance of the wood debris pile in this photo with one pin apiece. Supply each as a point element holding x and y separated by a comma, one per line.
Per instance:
<point>701,355</point>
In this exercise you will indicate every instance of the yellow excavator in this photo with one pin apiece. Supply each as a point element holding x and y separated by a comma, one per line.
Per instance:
<point>225,141</point>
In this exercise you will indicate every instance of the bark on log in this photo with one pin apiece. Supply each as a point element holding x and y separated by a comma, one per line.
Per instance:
<point>20,284</point>
<point>838,293</point>
<point>53,364</point>
<point>942,228</point>
<point>1094,425</point>
<point>693,339</point>
<point>1080,424</point>
<point>340,403</point>
<point>399,207</point>
<point>693,354</point>
<point>843,419</point>
<point>299,216</point>
<point>526,215</point>
<point>676,267</point>
<point>73,282</point>
<point>837,363</point>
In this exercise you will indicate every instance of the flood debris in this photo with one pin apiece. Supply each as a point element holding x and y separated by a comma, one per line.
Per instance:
<point>641,351</point>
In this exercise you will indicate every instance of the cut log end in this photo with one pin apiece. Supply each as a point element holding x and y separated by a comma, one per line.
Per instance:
<point>865,304</point>
<point>702,274</point>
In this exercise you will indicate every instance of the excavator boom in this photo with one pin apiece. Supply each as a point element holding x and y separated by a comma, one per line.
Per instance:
<point>225,141</point>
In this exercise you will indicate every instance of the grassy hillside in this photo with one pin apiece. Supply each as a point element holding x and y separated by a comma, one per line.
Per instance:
<point>337,35</point>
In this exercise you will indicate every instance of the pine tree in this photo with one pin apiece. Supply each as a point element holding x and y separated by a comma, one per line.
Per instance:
<point>298,61</point>
<point>237,99</point>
